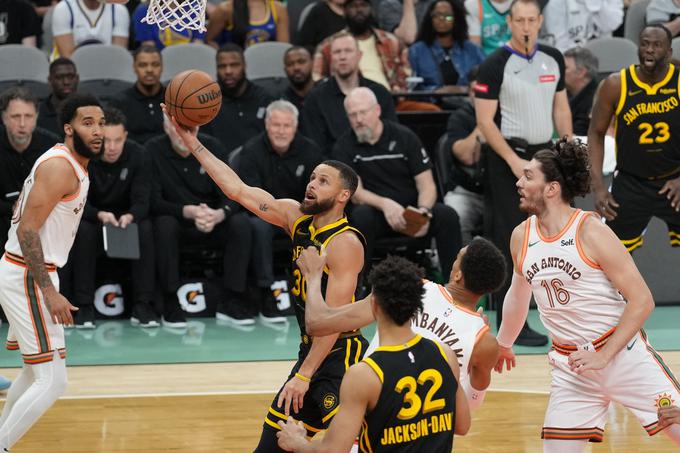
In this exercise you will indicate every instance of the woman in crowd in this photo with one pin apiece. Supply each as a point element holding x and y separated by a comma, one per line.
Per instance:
<point>248,22</point>
<point>443,53</point>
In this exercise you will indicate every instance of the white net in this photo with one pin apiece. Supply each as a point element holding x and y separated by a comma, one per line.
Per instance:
<point>177,14</point>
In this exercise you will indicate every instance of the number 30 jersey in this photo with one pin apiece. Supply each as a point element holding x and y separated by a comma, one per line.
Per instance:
<point>647,135</point>
<point>416,409</point>
<point>576,301</point>
<point>304,235</point>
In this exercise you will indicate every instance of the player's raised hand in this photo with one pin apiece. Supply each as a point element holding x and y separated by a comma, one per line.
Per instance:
<point>188,135</point>
<point>312,261</point>
<point>505,358</point>
<point>582,361</point>
<point>292,434</point>
<point>672,191</point>
<point>59,307</point>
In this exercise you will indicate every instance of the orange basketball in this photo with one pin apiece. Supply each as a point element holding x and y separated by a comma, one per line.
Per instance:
<point>193,98</point>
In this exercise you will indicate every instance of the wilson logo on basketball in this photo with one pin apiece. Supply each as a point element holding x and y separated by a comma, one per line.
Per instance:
<point>209,96</point>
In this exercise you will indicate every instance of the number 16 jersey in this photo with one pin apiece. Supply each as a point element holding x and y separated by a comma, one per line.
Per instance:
<point>576,301</point>
<point>647,118</point>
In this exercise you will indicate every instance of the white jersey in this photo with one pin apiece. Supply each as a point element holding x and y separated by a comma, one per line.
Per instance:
<point>59,230</point>
<point>576,301</point>
<point>101,25</point>
<point>444,321</point>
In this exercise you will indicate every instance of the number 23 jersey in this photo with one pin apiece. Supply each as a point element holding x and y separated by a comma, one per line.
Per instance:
<point>647,118</point>
<point>576,301</point>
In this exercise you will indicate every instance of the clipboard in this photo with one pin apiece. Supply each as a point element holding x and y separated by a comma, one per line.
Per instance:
<point>414,220</point>
<point>121,243</point>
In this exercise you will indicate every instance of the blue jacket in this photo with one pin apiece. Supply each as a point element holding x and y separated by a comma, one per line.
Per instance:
<point>423,63</point>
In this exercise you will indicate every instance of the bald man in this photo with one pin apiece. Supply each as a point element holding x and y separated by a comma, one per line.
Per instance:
<point>395,172</point>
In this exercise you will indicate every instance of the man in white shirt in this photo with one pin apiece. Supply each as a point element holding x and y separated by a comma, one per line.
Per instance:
<point>585,20</point>
<point>666,12</point>
<point>76,22</point>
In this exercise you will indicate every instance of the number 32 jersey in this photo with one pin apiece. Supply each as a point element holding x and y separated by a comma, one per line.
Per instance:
<point>576,301</point>
<point>416,409</point>
<point>647,118</point>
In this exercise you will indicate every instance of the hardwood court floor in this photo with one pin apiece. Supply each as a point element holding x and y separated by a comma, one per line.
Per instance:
<point>220,407</point>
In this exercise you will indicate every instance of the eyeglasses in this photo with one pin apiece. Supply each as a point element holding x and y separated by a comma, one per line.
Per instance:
<point>441,16</point>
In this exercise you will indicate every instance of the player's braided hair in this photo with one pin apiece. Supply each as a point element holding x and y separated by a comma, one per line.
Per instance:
<point>398,288</point>
<point>568,164</point>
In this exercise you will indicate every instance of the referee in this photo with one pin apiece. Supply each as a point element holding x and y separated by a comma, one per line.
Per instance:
<point>520,99</point>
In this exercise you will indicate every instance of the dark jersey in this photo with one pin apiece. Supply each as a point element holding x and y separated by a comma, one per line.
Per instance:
<point>647,118</point>
<point>305,235</point>
<point>416,410</point>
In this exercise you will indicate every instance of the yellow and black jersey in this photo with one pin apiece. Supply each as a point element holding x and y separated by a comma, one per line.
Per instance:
<point>416,410</point>
<point>304,234</point>
<point>647,135</point>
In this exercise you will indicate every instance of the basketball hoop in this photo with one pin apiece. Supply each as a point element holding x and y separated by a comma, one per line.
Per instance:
<point>179,15</point>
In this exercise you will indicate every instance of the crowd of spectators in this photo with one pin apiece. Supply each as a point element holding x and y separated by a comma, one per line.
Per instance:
<point>349,72</point>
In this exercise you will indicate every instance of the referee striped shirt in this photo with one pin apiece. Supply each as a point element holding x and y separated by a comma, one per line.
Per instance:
<point>525,88</point>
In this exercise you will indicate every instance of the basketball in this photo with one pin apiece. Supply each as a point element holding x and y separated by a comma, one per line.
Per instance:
<point>193,98</point>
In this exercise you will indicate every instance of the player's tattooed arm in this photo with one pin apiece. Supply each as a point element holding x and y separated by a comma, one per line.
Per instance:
<point>264,207</point>
<point>31,248</point>
<point>199,149</point>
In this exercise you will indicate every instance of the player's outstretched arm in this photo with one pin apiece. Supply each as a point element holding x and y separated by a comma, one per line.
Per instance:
<point>482,361</point>
<point>280,212</point>
<point>320,319</point>
<point>515,304</point>
<point>604,249</point>
<point>359,391</point>
<point>54,180</point>
<point>604,107</point>
<point>463,419</point>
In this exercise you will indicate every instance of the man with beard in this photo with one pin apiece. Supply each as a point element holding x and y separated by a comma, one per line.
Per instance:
<point>142,101</point>
<point>189,208</point>
<point>119,196</point>
<point>63,80</point>
<point>241,116</point>
<point>324,115</point>
<point>395,172</point>
<point>313,385</point>
<point>21,143</point>
<point>384,58</point>
<point>279,161</point>
<point>297,62</point>
<point>644,100</point>
<point>44,224</point>
<point>592,300</point>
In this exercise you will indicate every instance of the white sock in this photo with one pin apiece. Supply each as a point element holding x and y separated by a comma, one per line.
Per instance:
<point>22,382</point>
<point>48,385</point>
<point>564,446</point>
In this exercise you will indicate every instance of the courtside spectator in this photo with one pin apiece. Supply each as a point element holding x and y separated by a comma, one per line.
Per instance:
<point>19,23</point>
<point>142,101</point>
<point>63,80</point>
<point>246,23</point>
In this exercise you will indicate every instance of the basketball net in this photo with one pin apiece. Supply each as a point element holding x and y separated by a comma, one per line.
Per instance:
<point>179,15</point>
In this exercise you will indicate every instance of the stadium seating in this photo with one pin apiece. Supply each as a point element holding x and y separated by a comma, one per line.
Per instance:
<point>24,66</point>
<point>613,53</point>
<point>182,57</point>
